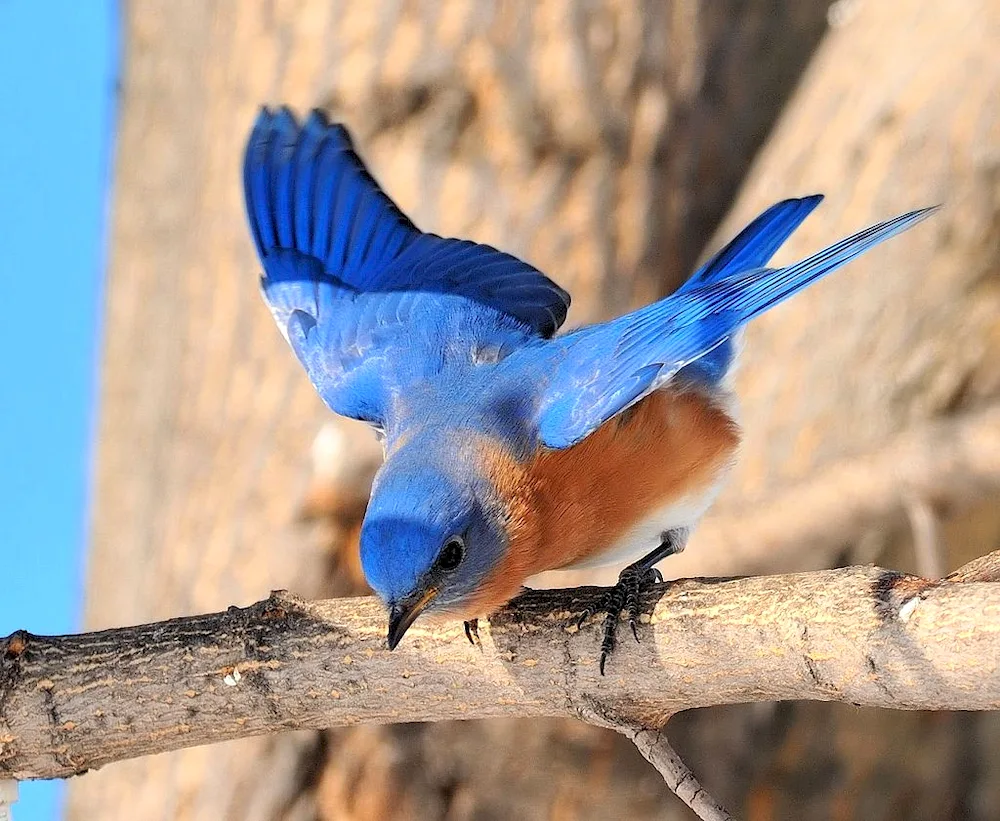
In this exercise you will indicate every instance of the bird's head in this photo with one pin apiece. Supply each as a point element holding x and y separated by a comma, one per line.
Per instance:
<point>434,532</point>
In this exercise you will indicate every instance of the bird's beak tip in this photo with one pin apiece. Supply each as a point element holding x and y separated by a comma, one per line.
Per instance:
<point>397,626</point>
<point>403,614</point>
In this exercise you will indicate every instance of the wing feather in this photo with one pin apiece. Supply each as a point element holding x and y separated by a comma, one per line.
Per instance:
<point>338,253</point>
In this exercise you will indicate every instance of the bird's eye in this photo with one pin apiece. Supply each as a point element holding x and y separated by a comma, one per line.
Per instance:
<point>452,553</point>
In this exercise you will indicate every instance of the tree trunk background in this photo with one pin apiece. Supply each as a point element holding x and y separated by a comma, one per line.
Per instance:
<point>603,142</point>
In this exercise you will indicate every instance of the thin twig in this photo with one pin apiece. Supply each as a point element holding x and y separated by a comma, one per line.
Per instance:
<point>655,748</point>
<point>926,536</point>
<point>676,774</point>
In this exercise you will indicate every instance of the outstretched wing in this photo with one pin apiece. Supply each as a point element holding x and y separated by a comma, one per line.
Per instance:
<point>604,369</point>
<point>357,289</point>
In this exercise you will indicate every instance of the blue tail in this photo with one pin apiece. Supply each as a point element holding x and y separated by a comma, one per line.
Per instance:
<point>757,243</point>
<point>604,369</point>
<point>751,293</point>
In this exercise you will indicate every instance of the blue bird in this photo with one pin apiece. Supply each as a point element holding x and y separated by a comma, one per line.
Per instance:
<point>509,450</point>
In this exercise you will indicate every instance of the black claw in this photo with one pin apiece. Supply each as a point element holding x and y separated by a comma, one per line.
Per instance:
<point>632,602</point>
<point>472,632</point>
<point>624,597</point>
<point>608,642</point>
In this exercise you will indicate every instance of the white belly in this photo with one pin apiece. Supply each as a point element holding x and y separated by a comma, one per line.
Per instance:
<point>647,534</point>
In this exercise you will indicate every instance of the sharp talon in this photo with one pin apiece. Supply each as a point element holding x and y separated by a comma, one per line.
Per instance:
<point>625,597</point>
<point>608,641</point>
<point>472,633</point>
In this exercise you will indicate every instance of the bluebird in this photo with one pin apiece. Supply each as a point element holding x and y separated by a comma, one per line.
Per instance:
<point>509,450</point>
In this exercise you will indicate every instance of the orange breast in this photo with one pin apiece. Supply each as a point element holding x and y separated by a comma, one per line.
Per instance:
<point>565,506</point>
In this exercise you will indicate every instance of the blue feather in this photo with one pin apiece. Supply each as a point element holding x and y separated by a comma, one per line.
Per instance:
<point>599,371</point>
<point>307,189</point>
<point>754,246</point>
<point>327,236</point>
<point>373,307</point>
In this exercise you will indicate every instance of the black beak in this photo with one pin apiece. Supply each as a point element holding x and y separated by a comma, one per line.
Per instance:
<point>404,613</point>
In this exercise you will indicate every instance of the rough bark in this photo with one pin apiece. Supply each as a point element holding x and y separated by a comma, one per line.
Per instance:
<point>601,141</point>
<point>950,464</point>
<point>865,636</point>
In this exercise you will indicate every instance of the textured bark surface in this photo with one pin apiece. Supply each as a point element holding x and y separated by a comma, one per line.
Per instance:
<point>602,141</point>
<point>913,329</point>
<point>950,464</point>
<point>866,636</point>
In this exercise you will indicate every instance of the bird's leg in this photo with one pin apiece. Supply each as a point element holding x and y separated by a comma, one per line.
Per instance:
<point>472,632</point>
<point>625,595</point>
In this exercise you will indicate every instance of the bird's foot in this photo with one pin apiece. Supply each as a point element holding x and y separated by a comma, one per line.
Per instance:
<point>472,632</point>
<point>622,598</point>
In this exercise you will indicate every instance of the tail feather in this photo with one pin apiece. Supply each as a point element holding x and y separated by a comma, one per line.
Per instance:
<point>754,246</point>
<point>755,292</point>
<point>604,369</point>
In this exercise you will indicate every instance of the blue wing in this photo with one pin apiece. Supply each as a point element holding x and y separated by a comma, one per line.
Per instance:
<point>602,370</point>
<point>363,296</point>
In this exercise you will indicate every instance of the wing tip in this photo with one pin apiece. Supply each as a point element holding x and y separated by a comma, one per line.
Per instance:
<point>284,115</point>
<point>279,149</point>
<point>307,190</point>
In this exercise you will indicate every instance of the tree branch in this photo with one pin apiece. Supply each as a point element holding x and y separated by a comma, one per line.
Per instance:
<point>862,635</point>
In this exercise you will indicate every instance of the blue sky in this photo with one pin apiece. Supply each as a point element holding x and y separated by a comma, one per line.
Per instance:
<point>58,61</point>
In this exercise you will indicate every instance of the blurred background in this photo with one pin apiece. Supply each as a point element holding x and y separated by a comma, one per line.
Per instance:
<point>58,67</point>
<point>186,463</point>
